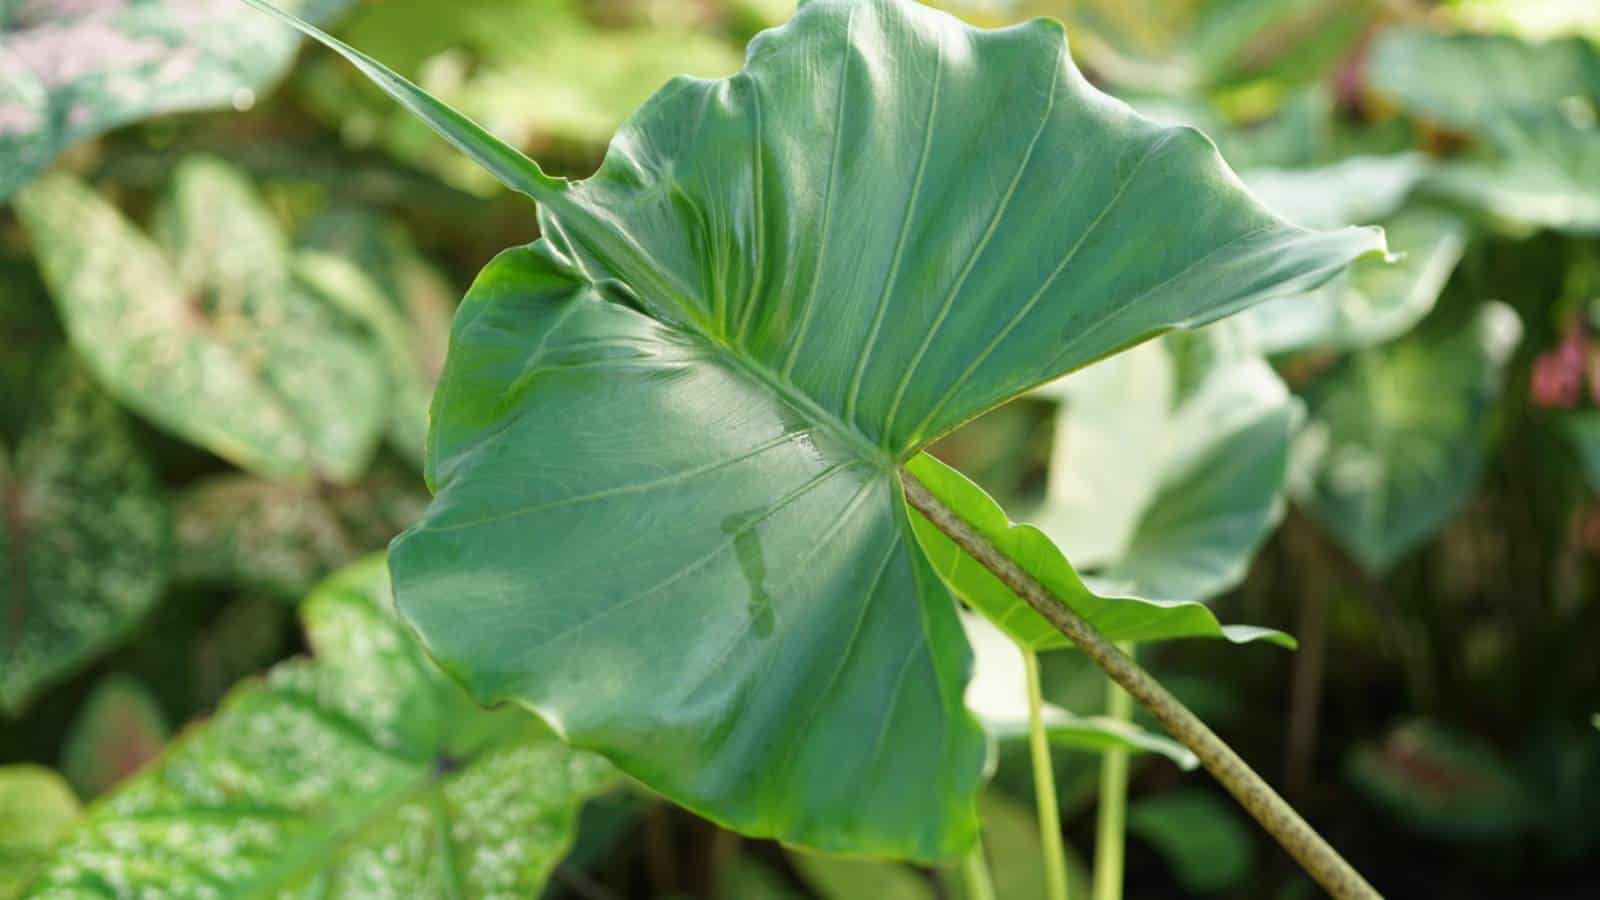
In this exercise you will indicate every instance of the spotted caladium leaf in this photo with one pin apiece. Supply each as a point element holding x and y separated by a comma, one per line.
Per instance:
<point>85,537</point>
<point>72,69</point>
<point>370,271</point>
<point>119,729</point>
<point>282,538</point>
<point>29,336</point>
<point>1396,434</point>
<point>37,808</point>
<point>209,335</point>
<point>668,514</point>
<point>1441,781</point>
<point>361,773</point>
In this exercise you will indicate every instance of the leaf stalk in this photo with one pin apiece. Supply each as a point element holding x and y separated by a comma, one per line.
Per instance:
<point>1044,785</point>
<point>1109,836</point>
<point>1315,855</point>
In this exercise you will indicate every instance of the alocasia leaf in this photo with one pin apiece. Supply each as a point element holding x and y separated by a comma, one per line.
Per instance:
<point>37,808</point>
<point>667,512</point>
<point>118,730</point>
<point>71,70</point>
<point>1375,300</point>
<point>361,773</point>
<point>213,339</point>
<point>1204,427</point>
<point>282,538</point>
<point>85,536</point>
<point>373,275</point>
<point>1396,434</point>
<point>1544,172</point>
<point>997,696</point>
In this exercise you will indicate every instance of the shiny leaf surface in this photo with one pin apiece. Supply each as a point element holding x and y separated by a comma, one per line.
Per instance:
<point>664,447</point>
<point>362,773</point>
<point>213,339</point>
<point>85,536</point>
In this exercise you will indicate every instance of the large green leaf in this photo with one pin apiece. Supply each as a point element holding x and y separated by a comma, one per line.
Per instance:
<point>1376,300</point>
<point>71,70</point>
<point>36,809</point>
<point>84,536</point>
<point>282,538</point>
<point>1396,434</point>
<point>997,696</point>
<point>664,448</point>
<point>214,339</point>
<point>363,773</point>
<point>1203,428</point>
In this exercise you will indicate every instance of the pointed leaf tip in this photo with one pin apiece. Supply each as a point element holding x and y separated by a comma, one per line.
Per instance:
<point>506,163</point>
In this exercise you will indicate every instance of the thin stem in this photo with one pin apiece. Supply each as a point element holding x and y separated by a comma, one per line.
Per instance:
<point>1044,785</point>
<point>975,868</point>
<point>1320,861</point>
<point>1108,838</point>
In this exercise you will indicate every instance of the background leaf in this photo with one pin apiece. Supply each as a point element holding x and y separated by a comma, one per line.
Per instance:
<point>118,730</point>
<point>36,809</point>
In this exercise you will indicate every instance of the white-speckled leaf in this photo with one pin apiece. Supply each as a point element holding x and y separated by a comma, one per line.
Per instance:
<point>363,773</point>
<point>282,538</point>
<point>215,339</point>
<point>71,69</point>
<point>85,537</point>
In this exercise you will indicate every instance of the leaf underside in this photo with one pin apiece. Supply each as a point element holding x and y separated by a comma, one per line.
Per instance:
<point>664,448</point>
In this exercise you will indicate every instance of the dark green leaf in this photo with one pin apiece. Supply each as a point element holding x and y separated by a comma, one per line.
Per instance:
<point>1200,835</point>
<point>1396,434</point>
<point>84,537</point>
<point>214,340</point>
<point>361,773</point>
<point>118,730</point>
<point>664,447</point>
<point>37,809</point>
<point>1583,431</point>
<point>69,71</point>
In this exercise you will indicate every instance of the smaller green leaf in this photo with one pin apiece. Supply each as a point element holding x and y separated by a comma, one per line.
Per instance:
<point>362,773</point>
<point>1544,172</point>
<point>1396,434</point>
<point>37,808</point>
<point>1118,618</point>
<point>213,340</point>
<point>282,538</point>
<point>118,730</point>
<point>85,536</point>
<point>997,695</point>
<point>1201,836</point>
<point>1442,782</point>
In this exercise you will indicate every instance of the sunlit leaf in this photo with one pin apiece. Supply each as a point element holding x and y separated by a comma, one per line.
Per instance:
<point>84,536</point>
<point>118,729</point>
<point>36,809</point>
<point>1201,836</point>
<point>1396,434</point>
<point>361,773</point>
<point>997,694</point>
<point>1441,782</point>
<point>667,516</point>
<point>1544,172</point>
<point>71,70</point>
<point>212,339</point>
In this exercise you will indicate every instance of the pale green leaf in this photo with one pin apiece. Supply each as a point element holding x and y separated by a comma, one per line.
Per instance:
<point>37,808</point>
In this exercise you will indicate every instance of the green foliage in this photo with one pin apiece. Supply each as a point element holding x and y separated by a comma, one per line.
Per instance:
<point>1397,434</point>
<point>1199,834</point>
<point>85,536</point>
<point>360,773</point>
<point>37,808</point>
<point>1442,782</point>
<point>787,529</point>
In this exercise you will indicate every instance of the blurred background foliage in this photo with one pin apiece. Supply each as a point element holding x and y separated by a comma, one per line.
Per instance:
<point>223,308</point>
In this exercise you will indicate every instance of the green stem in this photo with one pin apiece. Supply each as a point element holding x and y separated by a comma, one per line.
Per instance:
<point>1044,785</point>
<point>1108,838</point>
<point>976,869</point>
<point>1320,861</point>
